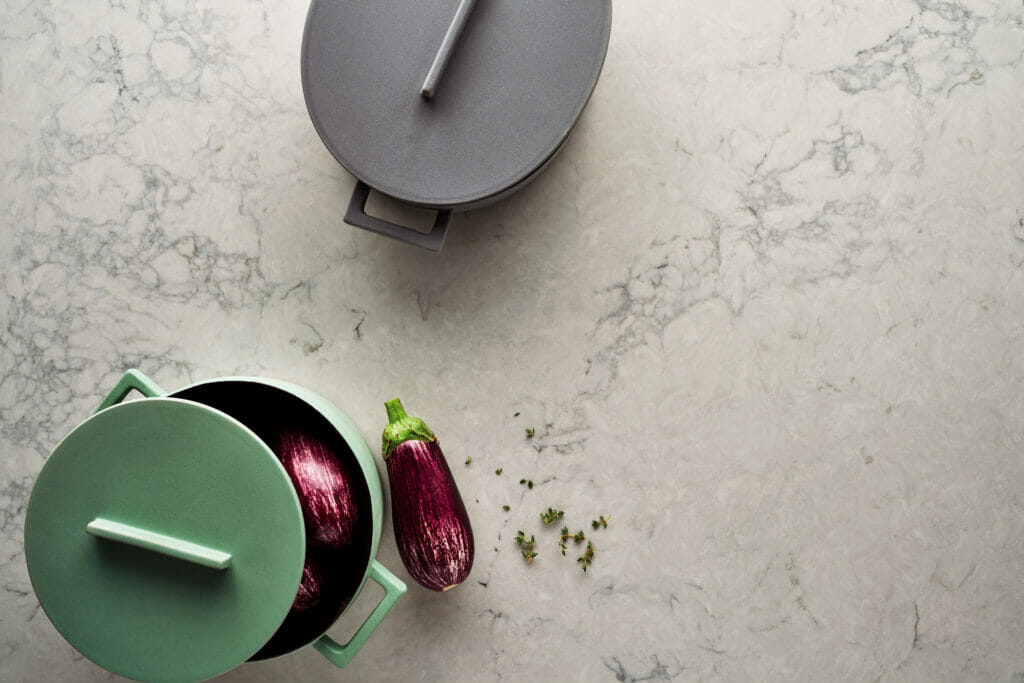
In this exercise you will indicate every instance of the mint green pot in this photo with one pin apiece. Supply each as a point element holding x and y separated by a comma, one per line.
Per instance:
<point>165,540</point>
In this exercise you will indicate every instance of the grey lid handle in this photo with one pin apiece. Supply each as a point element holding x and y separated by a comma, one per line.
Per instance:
<point>444,53</point>
<point>356,215</point>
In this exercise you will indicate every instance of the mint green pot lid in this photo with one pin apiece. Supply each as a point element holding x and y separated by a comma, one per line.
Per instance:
<point>179,472</point>
<point>165,541</point>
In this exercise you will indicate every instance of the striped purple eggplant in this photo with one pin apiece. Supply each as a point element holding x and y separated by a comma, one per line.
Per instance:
<point>309,588</point>
<point>324,486</point>
<point>432,528</point>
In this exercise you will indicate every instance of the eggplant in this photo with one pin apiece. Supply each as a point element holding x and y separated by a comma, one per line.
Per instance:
<point>324,485</point>
<point>432,529</point>
<point>310,586</point>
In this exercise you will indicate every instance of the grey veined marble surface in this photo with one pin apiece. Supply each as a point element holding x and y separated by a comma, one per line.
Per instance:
<point>766,310</point>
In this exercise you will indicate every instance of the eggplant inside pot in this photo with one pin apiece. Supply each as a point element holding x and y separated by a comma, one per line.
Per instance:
<point>333,494</point>
<point>447,105</point>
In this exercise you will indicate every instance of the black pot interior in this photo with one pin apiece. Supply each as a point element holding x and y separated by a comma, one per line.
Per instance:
<point>267,410</point>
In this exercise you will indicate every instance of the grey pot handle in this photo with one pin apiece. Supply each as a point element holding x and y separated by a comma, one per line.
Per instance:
<point>356,215</point>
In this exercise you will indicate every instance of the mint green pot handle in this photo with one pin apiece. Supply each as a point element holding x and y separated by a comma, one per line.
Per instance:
<point>340,655</point>
<point>132,379</point>
<point>159,543</point>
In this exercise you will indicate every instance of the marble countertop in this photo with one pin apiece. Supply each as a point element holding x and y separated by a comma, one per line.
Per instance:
<point>765,310</point>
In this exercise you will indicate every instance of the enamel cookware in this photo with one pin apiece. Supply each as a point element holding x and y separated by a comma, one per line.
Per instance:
<point>166,541</point>
<point>451,104</point>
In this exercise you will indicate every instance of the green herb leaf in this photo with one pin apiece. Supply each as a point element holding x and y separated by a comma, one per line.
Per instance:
<point>551,515</point>
<point>562,539</point>
<point>588,556</point>
<point>521,539</point>
<point>506,508</point>
<point>469,460</point>
<point>529,432</point>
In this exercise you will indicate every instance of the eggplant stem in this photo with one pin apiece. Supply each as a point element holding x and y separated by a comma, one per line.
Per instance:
<point>396,411</point>
<point>401,428</point>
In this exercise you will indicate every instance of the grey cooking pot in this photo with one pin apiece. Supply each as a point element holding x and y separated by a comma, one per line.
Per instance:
<point>448,105</point>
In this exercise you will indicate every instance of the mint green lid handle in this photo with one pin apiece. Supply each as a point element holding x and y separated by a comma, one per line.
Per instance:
<point>166,545</point>
<point>394,588</point>
<point>132,379</point>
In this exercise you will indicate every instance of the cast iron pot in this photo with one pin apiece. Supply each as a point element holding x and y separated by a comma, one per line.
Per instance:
<point>165,540</point>
<point>448,105</point>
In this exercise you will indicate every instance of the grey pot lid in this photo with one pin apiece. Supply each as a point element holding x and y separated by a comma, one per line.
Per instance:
<point>518,77</point>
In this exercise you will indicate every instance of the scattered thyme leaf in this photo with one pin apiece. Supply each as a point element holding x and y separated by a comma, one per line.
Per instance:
<point>516,414</point>
<point>521,539</point>
<point>498,471</point>
<point>506,508</point>
<point>529,432</point>
<point>563,538</point>
<point>528,555</point>
<point>551,515</point>
<point>588,556</point>
<point>469,459</point>
<point>527,482</point>
<point>603,521</point>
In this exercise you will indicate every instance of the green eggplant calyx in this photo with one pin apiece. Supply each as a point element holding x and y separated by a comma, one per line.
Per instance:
<point>402,428</point>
